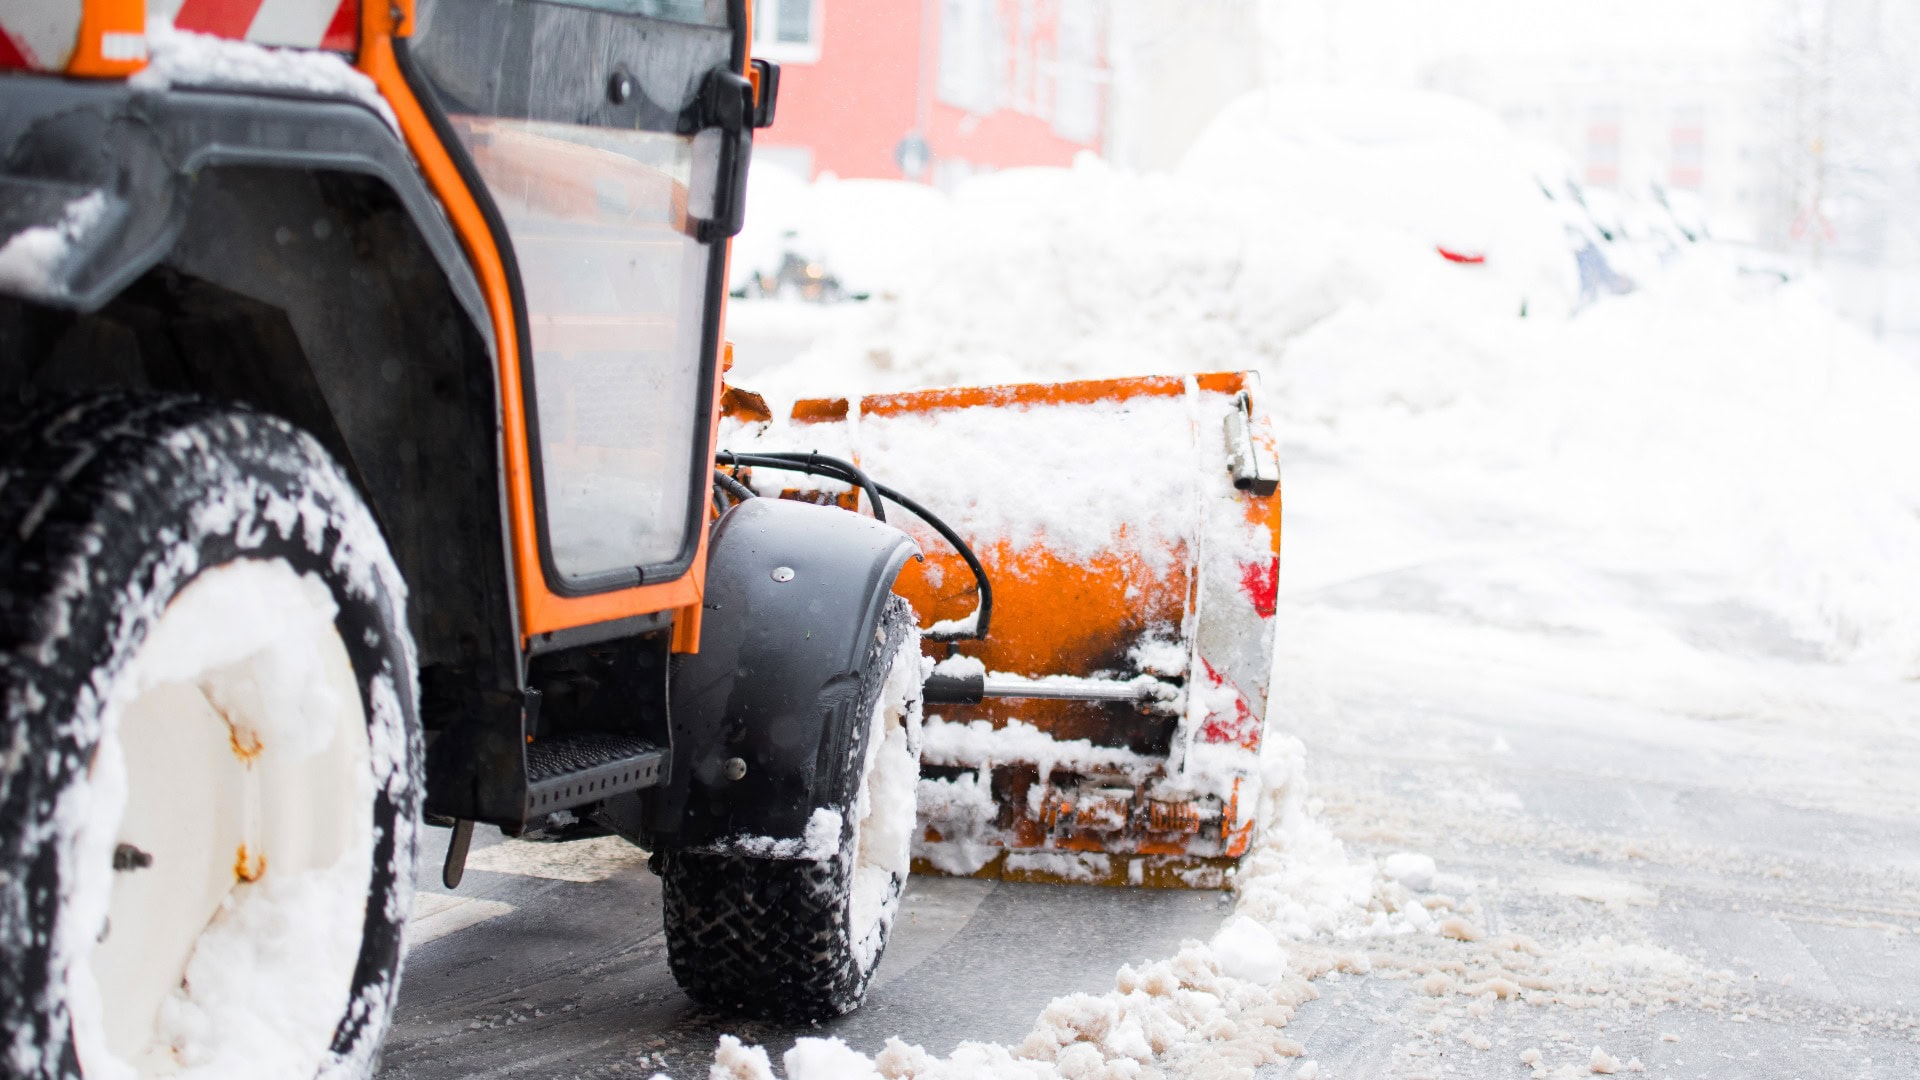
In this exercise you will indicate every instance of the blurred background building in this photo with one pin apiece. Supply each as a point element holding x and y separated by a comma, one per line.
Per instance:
<point>1794,125</point>
<point>934,90</point>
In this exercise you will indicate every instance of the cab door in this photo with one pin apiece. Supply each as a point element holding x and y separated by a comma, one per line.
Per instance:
<point>607,142</point>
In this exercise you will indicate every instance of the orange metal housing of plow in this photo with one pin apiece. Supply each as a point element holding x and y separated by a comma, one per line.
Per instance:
<point>1130,529</point>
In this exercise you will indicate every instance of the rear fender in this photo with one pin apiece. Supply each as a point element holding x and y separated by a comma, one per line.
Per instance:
<point>794,597</point>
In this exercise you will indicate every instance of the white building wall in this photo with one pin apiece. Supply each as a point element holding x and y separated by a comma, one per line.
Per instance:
<point>1552,66</point>
<point>1175,64</point>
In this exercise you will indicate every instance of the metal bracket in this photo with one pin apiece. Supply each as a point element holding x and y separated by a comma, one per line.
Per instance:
<point>1254,467</point>
<point>455,867</point>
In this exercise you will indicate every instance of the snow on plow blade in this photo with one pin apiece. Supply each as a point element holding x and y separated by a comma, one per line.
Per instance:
<point>1130,530</point>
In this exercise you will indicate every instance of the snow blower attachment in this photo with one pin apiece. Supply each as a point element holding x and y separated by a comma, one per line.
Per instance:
<point>1100,565</point>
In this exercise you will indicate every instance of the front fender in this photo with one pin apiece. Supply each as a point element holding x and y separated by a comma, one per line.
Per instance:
<point>105,172</point>
<point>776,679</point>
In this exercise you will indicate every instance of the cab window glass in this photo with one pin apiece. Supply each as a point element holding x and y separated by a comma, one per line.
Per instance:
<point>615,295</point>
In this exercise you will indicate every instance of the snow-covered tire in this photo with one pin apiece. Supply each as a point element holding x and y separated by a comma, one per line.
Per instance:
<point>195,607</point>
<point>799,938</point>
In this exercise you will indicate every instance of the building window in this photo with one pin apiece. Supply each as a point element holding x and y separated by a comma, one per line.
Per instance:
<point>973,55</point>
<point>787,31</point>
<point>1603,145</point>
<point>1023,59</point>
<point>1079,73</point>
<point>1687,148</point>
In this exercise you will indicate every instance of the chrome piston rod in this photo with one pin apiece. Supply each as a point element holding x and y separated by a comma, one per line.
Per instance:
<point>972,689</point>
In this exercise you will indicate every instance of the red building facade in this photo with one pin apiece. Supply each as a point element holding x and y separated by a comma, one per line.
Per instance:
<point>932,90</point>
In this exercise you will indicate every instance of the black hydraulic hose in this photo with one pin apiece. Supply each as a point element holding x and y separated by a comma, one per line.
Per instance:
<point>984,607</point>
<point>813,465</point>
<point>739,491</point>
<point>847,472</point>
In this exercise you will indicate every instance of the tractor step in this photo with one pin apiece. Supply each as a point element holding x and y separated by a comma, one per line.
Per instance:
<point>568,770</point>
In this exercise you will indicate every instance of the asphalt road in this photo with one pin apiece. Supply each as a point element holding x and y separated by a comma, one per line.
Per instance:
<point>1709,831</point>
<point>549,962</point>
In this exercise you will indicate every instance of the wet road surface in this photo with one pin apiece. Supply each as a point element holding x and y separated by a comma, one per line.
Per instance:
<point>549,962</point>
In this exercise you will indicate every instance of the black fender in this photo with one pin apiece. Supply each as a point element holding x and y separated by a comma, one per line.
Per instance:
<point>794,597</point>
<point>140,152</point>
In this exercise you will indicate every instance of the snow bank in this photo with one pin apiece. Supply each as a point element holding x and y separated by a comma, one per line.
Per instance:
<point>871,236</point>
<point>1702,420</point>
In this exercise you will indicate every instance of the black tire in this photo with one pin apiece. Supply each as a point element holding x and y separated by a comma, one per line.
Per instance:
<point>109,507</point>
<point>778,938</point>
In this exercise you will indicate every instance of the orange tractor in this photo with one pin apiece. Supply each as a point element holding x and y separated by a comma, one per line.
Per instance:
<point>367,464</point>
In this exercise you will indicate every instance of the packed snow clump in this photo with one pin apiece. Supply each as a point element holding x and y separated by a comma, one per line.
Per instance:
<point>33,255</point>
<point>817,842</point>
<point>186,58</point>
<point>250,637</point>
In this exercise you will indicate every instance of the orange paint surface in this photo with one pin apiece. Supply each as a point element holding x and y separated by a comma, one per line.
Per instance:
<point>125,20</point>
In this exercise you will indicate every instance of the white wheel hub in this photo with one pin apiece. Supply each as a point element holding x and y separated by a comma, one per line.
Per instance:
<point>228,839</point>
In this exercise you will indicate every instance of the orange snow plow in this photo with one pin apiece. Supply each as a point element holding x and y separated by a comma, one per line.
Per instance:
<point>1098,681</point>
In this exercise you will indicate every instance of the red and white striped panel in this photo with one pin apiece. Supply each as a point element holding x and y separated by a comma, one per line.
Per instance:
<point>39,35</point>
<point>43,35</point>
<point>299,24</point>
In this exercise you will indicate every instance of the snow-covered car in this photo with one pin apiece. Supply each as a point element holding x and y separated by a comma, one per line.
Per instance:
<point>1445,171</point>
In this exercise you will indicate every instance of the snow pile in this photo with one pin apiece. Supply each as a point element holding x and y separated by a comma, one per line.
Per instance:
<point>186,58</point>
<point>1441,170</point>
<point>1109,274</point>
<point>1692,418</point>
<point>31,257</point>
<point>1112,447</point>
<point>1186,1012</point>
<point>869,236</point>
